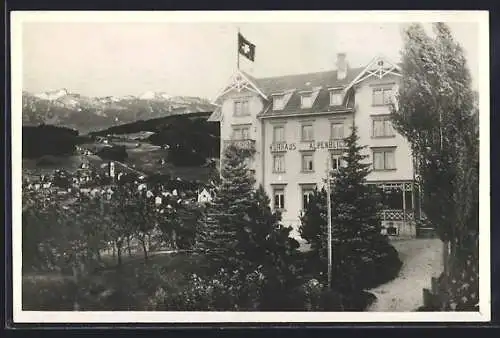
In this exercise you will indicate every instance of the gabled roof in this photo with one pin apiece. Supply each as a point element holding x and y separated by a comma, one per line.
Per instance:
<point>378,67</point>
<point>320,105</point>
<point>240,81</point>
<point>216,115</point>
<point>307,81</point>
<point>319,83</point>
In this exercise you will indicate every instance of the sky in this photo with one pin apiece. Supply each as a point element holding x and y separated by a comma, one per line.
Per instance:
<point>197,59</point>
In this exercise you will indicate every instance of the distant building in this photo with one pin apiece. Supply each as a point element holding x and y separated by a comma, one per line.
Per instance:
<point>297,123</point>
<point>204,196</point>
<point>111,169</point>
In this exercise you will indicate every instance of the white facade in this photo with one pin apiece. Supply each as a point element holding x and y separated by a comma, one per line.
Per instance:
<point>204,196</point>
<point>295,123</point>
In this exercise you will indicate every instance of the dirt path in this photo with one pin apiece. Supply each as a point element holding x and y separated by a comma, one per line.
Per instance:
<point>421,261</point>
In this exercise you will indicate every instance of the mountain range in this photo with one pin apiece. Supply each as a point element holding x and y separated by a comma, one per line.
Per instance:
<point>86,114</point>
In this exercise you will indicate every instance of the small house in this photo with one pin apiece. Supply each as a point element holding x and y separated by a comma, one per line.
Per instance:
<point>204,196</point>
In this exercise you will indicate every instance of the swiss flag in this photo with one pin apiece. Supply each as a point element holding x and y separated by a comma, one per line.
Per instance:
<point>246,48</point>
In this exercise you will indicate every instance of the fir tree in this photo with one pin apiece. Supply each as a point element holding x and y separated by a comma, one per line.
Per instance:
<point>313,221</point>
<point>227,216</point>
<point>357,243</point>
<point>242,232</point>
<point>268,242</point>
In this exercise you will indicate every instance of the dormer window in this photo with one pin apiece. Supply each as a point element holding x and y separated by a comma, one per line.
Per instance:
<point>278,102</point>
<point>336,98</point>
<point>306,100</point>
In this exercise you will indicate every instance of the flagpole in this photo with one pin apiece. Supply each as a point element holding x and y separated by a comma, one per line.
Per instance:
<point>238,50</point>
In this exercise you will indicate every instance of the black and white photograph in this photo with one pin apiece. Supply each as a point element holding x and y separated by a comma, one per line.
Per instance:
<point>250,166</point>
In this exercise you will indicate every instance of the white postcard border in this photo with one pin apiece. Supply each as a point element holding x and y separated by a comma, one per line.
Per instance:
<point>18,18</point>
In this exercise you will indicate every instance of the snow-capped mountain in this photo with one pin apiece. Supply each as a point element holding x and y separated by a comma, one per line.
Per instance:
<point>150,95</point>
<point>64,108</point>
<point>52,95</point>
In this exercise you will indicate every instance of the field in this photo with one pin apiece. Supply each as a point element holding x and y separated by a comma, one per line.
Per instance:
<point>143,157</point>
<point>127,288</point>
<point>147,158</point>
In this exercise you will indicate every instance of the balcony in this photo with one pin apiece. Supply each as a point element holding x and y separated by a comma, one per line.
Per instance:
<point>242,144</point>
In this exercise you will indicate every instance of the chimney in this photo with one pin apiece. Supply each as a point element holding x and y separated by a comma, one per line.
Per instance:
<point>341,66</point>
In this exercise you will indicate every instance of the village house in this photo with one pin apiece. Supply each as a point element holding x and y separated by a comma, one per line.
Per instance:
<point>296,125</point>
<point>204,196</point>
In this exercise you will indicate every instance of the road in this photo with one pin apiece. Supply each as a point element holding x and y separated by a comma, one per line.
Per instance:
<point>422,259</point>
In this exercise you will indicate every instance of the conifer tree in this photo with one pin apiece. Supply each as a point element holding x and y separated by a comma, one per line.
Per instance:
<point>313,222</point>
<point>227,216</point>
<point>241,231</point>
<point>358,245</point>
<point>268,242</point>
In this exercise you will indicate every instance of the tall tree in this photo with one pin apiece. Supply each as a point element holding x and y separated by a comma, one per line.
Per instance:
<point>228,217</point>
<point>435,113</point>
<point>358,246</point>
<point>244,232</point>
<point>267,244</point>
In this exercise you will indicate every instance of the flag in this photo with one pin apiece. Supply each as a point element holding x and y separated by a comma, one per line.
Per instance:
<point>246,48</point>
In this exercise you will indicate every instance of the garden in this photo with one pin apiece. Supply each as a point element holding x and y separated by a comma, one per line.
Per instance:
<point>129,245</point>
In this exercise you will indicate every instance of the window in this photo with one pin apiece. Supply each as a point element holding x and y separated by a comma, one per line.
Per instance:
<point>336,99</point>
<point>278,134</point>
<point>241,108</point>
<point>383,159</point>
<point>306,100</point>
<point>278,102</point>
<point>248,162</point>
<point>279,198</point>
<point>241,133</point>
<point>279,163</point>
<point>307,192</point>
<point>382,127</point>
<point>336,161</point>
<point>337,131</point>
<point>382,96</point>
<point>307,132</point>
<point>307,162</point>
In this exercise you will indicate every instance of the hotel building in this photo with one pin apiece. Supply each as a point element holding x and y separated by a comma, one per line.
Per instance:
<point>296,124</point>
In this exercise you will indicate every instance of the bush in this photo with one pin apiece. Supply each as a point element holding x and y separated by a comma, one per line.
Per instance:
<point>47,294</point>
<point>225,291</point>
<point>314,296</point>
<point>382,265</point>
<point>58,293</point>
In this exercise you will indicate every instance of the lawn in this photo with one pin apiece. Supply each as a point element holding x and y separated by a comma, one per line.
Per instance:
<point>112,288</point>
<point>147,159</point>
